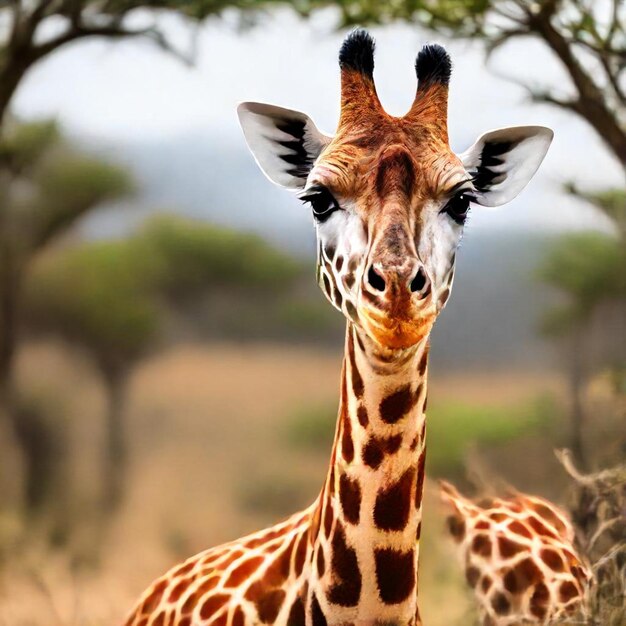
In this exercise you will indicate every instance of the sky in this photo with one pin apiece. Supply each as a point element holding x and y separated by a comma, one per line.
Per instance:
<point>131,94</point>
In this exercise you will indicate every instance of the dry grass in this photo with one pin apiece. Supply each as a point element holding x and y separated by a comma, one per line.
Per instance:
<point>206,423</point>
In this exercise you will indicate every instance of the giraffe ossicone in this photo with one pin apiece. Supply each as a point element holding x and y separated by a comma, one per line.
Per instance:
<point>389,200</point>
<point>519,557</point>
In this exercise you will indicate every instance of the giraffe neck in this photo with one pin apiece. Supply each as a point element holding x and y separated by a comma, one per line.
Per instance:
<point>368,520</point>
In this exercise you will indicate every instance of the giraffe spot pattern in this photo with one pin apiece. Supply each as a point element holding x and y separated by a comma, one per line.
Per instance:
<point>472,574</point>
<point>362,416</point>
<point>317,615</point>
<point>456,527</point>
<point>213,604</point>
<point>481,544</point>
<point>278,570</point>
<point>508,547</point>
<point>328,519</point>
<point>393,505</point>
<point>153,600</point>
<point>539,527</point>
<point>421,474</point>
<point>350,497</point>
<point>540,600</point>
<point>552,559</point>
<point>395,574</point>
<point>346,587</point>
<point>296,613</point>
<point>397,404</point>
<point>301,551</point>
<point>357,380</point>
<point>500,603</point>
<point>239,618</point>
<point>519,529</point>
<point>347,446</point>
<point>567,591</point>
<point>320,561</point>
<point>243,571</point>
<point>376,447</point>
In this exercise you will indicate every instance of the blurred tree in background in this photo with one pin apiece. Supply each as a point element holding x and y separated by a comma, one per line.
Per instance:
<point>114,299</point>
<point>45,188</point>
<point>94,296</point>
<point>27,37</point>
<point>588,269</point>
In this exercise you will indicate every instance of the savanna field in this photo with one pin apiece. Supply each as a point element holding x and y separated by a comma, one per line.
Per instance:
<point>221,446</point>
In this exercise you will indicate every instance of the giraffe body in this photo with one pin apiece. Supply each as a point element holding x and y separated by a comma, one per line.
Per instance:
<point>519,558</point>
<point>351,557</point>
<point>389,199</point>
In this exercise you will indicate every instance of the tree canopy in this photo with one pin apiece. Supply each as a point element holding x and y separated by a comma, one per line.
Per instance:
<point>33,29</point>
<point>108,297</point>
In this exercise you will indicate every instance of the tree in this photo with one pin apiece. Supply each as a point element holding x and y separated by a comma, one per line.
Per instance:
<point>112,300</point>
<point>96,296</point>
<point>587,37</point>
<point>588,270</point>
<point>34,29</point>
<point>45,188</point>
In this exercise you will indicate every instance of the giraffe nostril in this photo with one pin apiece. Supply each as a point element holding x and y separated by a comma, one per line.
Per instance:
<point>375,279</point>
<point>419,281</point>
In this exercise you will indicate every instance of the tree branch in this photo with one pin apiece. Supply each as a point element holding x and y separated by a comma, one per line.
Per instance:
<point>591,102</point>
<point>114,29</point>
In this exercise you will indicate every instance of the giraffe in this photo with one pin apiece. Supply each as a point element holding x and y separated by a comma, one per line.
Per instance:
<point>389,199</point>
<point>519,558</point>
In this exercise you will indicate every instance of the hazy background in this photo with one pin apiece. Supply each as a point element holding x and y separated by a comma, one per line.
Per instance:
<point>228,413</point>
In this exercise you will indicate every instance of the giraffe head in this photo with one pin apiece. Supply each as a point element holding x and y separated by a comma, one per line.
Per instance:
<point>388,195</point>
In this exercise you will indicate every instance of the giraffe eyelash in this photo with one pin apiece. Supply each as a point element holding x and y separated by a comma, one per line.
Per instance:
<point>457,208</point>
<point>322,202</point>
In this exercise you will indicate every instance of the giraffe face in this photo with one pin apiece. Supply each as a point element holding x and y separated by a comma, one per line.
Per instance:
<point>389,206</point>
<point>388,196</point>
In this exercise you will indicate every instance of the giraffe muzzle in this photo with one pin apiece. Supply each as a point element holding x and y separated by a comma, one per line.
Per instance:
<point>406,282</point>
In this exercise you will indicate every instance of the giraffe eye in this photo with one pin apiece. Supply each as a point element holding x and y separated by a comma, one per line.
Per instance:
<point>458,208</point>
<point>322,202</point>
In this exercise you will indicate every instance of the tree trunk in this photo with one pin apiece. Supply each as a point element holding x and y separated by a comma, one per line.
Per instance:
<point>591,104</point>
<point>577,415</point>
<point>9,295</point>
<point>115,451</point>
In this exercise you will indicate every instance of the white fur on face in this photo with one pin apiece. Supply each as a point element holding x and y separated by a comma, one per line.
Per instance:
<point>343,253</point>
<point>437,245</point>
<point>342,248</point>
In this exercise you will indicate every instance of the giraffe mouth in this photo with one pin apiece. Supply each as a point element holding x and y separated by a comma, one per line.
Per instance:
<point>397,332</point>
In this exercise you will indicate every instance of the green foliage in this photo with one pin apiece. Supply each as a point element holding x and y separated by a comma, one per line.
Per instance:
<point>22,145</point>
<point>109,296</point>
<point>452,427</point>
<point>194,256</point>
<point>95,295</point>
<point>588,268</point>
<point>312,317</point>
<point>273,495</point>
<point>312,427</point>
<point>610,202</point>
<point>47,187</point>
<point>449,15</point>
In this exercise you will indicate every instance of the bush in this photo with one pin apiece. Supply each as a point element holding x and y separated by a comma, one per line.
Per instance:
<point>451,428</point>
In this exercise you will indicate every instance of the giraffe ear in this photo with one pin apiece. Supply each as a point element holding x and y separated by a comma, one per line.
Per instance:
<point>502,161</point>
<point>285,143</point>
